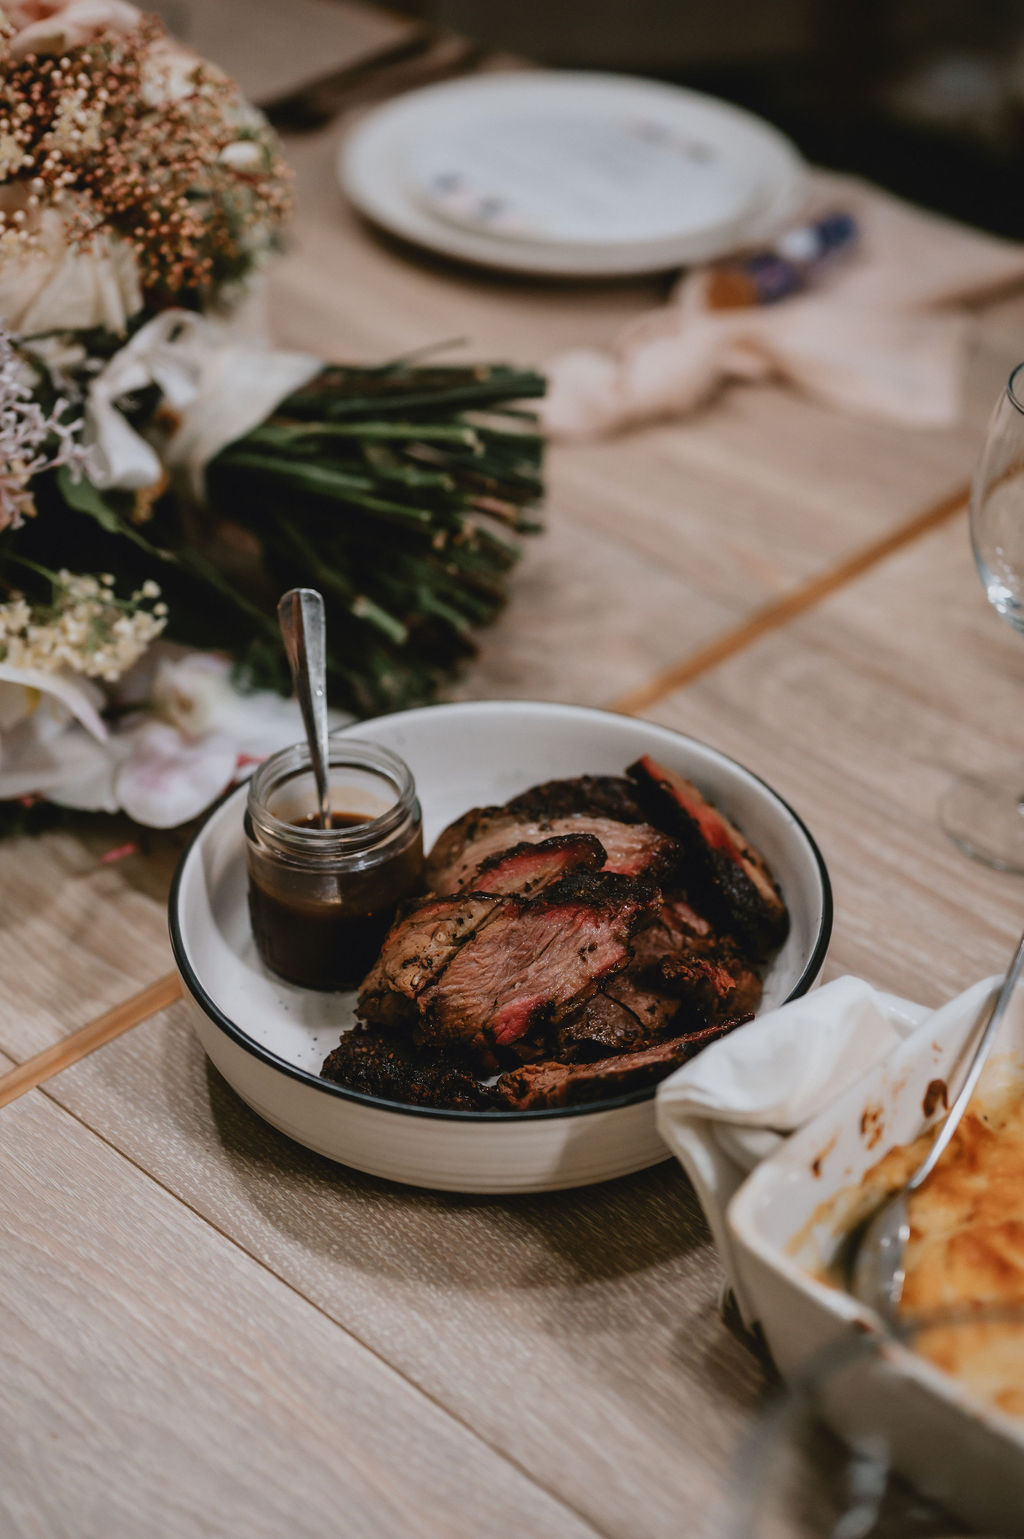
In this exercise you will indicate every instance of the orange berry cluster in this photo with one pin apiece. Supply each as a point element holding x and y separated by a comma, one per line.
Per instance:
<point>129,134</point>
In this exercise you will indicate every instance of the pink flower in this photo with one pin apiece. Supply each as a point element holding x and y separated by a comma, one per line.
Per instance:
<point>53,26</point>
<point>200,735</point>
<point>191,736</point>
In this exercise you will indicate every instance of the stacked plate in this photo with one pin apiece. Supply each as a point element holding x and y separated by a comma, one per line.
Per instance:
<point>565,174</point>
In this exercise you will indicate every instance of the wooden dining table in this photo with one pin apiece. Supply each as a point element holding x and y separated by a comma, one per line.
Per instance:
<point>206,1329</point>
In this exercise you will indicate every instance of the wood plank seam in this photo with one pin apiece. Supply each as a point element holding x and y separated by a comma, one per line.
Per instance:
<point>781,611</point>
<point>166,990</point>
<point>95,1033</point>
<point>417,1389</point>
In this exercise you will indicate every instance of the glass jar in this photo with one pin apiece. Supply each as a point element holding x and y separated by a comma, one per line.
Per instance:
<point>321,899</point>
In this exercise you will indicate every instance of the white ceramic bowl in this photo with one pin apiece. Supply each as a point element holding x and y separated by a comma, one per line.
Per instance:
<point>782,1228</point>
<point>269,1038</point>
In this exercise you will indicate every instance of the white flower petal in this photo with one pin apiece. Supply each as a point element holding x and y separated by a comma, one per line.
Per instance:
<point>193,693</point>
<point>15,704</point>
<point>74,769</point>
<point>166,780</point>
<point>81,697</point>
<point>89,779</point>
<point>52,287</point>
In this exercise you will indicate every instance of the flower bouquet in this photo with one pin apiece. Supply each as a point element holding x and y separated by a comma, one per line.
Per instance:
<point>164,475</point>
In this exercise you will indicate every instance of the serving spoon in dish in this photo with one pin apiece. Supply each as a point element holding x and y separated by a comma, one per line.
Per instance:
<point>876,1249</point>
<point>300,613</point>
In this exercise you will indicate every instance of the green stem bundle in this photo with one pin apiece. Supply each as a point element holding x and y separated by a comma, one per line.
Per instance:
<point>382,488</point>
<point>398,491</point>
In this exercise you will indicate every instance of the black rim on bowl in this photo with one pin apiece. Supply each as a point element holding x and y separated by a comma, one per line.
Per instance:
<point>213,1011</point>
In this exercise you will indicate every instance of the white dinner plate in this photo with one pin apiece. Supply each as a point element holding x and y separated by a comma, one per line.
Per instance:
<point>268,1038</point>
<point>571,174</point>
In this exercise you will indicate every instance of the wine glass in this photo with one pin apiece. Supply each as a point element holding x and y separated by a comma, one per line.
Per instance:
<point>984,814</point>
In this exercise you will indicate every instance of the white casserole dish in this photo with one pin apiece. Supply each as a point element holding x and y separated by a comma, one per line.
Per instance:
<point>952,1447</point>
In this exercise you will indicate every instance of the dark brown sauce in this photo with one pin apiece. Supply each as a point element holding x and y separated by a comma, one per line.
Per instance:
<point>324,932</point>
<point>338,820</point>
<point>319,945</point>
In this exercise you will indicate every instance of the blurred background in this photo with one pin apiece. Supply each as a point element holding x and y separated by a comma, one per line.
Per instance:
<point>925,97</point>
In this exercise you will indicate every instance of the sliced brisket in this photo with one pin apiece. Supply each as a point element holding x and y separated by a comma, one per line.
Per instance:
<point>537,1085</point>
<point>529,868</point>
<point>534,960</point>
<point>599,931</point>
<point>455,865</point>
<point>416,950</point>
<point>622,1017</point>
<point>725,874</point>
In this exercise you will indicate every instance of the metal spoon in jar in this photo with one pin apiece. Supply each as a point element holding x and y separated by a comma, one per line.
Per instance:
<point>301,615</point>
<point>875,1270</point>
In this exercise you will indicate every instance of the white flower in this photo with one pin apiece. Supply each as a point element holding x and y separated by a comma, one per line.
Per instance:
<point>48,285</point>
<point>201,735</point>
<point>50,731</point>
<point>168,73</point>
<point>168,778</point>
<point>192,692</point>
<point>242,155</point>
<point>195,735</point>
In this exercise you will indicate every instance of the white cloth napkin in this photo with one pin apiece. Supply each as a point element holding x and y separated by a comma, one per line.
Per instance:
<point>732,1105</point>
<point>883,334</point>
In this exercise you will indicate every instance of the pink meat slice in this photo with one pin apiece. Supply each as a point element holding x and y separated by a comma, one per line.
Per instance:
<point>630,848</point>
<point>530,961</point>
<point>530,868</point>
<point>416,950</point>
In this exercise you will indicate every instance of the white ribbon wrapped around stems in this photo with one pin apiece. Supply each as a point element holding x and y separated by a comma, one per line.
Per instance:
<point>219,386</point>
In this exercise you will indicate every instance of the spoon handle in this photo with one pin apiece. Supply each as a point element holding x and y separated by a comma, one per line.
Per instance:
<point>996,1011</point>
<point>304,629</point>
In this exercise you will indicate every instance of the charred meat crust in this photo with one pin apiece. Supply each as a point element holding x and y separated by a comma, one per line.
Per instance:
<point>573,1084</point>
<point>726,876</point>
<point>599,796</point>
<point>377,1063</point>
<point>391,1067</point>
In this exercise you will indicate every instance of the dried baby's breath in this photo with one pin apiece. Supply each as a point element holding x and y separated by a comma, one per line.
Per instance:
<point>87,629</point>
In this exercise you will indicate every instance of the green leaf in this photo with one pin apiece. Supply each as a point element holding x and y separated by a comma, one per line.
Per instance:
<point>85,497</point>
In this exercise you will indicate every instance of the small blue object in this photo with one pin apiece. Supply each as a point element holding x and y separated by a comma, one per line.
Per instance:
<point>792,263</point>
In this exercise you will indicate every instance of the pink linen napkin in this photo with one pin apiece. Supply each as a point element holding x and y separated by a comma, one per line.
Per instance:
<point>884,335</point>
